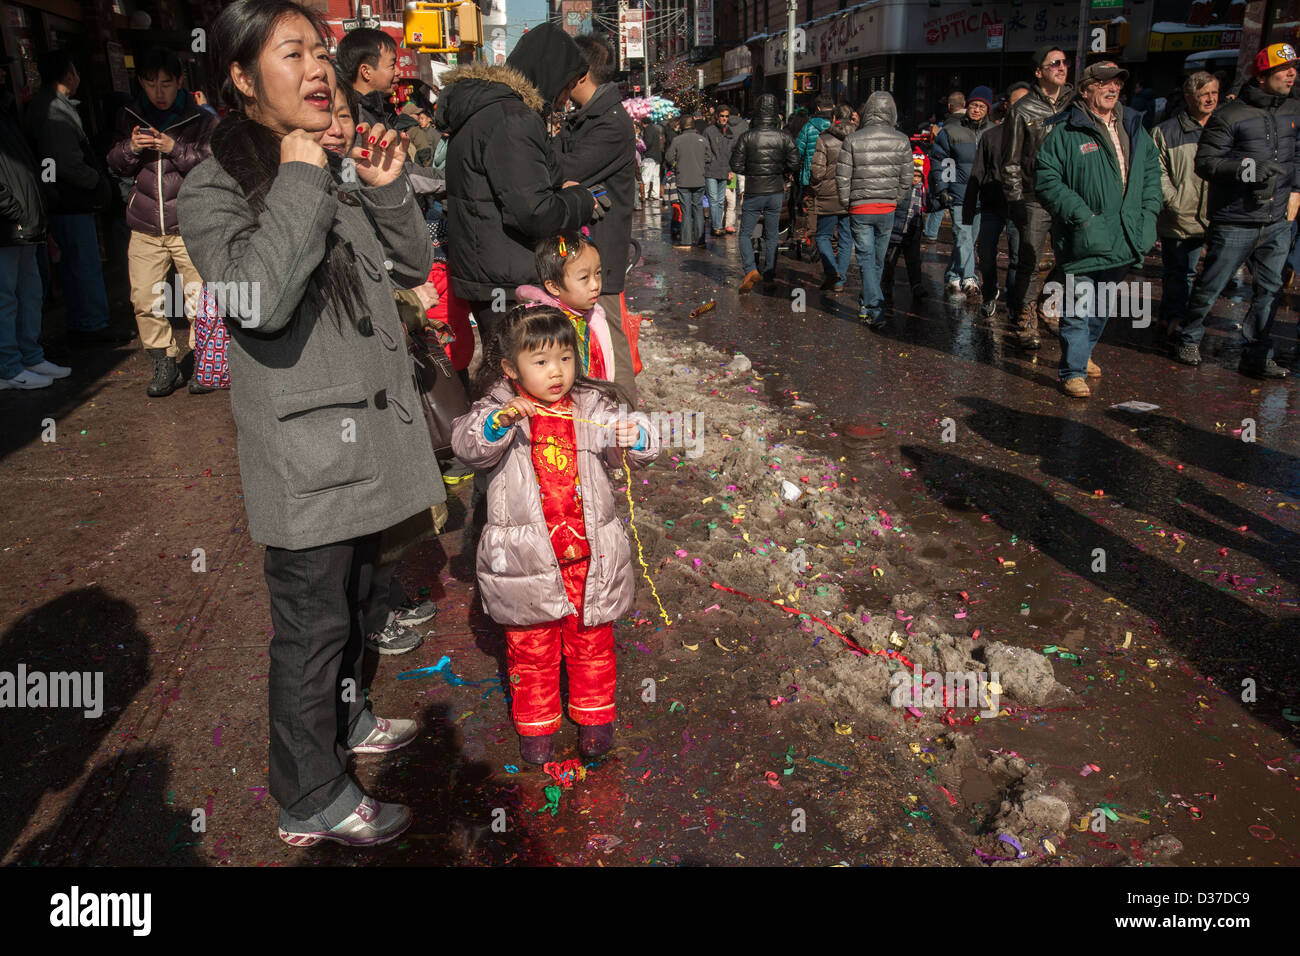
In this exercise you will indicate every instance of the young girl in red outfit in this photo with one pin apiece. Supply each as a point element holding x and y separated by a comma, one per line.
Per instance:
<point>569,267</point>
<point>554,564</point>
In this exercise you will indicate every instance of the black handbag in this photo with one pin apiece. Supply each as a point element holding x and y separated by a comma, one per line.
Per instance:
<point>442,396</point>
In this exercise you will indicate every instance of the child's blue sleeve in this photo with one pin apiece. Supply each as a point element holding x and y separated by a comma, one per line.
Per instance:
<point>493,432</point>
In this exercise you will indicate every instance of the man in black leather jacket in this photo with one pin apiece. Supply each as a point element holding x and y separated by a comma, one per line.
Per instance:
<point>1248,156</point>
<point>1025,131</point>
<point>767,158</point>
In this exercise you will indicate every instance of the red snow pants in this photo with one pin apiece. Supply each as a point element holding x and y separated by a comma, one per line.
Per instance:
<point>533,663</point>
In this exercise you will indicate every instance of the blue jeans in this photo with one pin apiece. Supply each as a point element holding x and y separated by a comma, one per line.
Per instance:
<point>769,207</point>
<point>1083,320</point>
<point>1180,257</point>
<point>987,235</point>
<point>717,192</point>
<point>871,238</point>
<point>932,223</point>
<point>827,224</point>
<point>962,264</point>
<point>21,298</point>
<point>79,269</point>
<point>1226,248</point>
<point>692,203</point>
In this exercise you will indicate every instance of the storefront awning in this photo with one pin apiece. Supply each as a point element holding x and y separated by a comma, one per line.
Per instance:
<point>741,79</point>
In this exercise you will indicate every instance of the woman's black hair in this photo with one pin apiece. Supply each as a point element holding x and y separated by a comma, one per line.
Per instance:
<point>550,263</point>
<point>250,152</point>
<point>527,328</point>
<point>350,94</point>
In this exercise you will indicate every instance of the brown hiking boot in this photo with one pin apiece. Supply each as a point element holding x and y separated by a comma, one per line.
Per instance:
<point>1076,388</point>
<point>751,278</point>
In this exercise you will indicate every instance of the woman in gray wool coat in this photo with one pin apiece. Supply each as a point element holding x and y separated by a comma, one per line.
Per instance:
<point>333,448</point>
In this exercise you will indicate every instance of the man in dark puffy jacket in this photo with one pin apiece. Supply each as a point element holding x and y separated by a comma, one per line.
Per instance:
<point>598,150</point>
<point>722,140</point>
<point>24,226</point>
<point>1248,155</point>
<point>505,189</point>
<point>951,162</point>
<point>873,175</point>
<point>1026,129</point>
<point>766,156</point>
<point>160,138</point>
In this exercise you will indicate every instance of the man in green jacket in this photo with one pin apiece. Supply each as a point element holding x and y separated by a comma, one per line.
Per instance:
<point>1099,177</point>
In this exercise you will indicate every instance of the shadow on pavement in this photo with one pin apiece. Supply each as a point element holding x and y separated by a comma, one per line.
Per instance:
<point>1223,637</point>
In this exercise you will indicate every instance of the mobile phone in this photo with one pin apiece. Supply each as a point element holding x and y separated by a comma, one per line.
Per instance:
<point>598,193</point>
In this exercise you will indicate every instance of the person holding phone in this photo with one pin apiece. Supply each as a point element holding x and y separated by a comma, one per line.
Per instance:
<point>161,136</point>
<point>333,448</point>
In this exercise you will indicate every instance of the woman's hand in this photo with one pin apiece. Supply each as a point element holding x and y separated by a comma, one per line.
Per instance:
<point>515,410</point>
<point>380,154</point>
<point>300,146</point>
<point>428,295</point>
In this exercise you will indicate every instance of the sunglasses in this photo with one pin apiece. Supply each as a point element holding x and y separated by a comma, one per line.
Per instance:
<point>1053,64</point>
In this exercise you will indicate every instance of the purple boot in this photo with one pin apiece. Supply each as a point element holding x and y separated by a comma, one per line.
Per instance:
<point>596,741</point>
<point>537,750</point>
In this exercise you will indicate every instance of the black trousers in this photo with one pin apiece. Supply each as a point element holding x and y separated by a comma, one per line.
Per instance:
<point>910,248</point>
<point>487,319</point>
<point>317,648</point>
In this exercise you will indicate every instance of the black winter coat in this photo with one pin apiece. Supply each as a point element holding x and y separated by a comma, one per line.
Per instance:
<point>984,188</point>
<point>503,180</point>
<point>653,137</point>
<point>766,154</point>
<point>598,146</point>
<point>23,217</point>
<point>1259,127</point>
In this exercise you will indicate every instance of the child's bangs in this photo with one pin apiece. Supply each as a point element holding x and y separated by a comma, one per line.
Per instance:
<point>544,327</point>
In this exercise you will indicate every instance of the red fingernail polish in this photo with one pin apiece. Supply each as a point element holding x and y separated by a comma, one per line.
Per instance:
<point>372,141</point>
<point>365,154</point>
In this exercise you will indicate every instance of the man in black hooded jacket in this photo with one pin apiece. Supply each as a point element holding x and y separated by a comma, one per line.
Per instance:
<point>598,149</point>
<point>505,189</point>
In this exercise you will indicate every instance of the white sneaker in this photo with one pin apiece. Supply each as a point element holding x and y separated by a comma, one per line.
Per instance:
<point>952,287</point>
<point>49,369</point>
<point>26,379</point>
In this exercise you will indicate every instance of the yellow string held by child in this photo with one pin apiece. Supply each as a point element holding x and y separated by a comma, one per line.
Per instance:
<point>631,507</point>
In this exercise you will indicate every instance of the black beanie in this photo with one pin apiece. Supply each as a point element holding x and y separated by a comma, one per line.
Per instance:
<point>1041,54</point>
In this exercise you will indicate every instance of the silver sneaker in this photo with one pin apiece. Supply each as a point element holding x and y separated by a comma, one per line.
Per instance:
<point>395,639</point>
<point>370,824</point>
<point>415,613</point>
<point>388,735</point>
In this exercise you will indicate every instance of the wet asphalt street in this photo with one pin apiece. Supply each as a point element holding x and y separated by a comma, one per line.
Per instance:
<point>1197,530</point>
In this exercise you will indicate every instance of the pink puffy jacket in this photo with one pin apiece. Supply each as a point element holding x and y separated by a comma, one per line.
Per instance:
<point>518,573</point>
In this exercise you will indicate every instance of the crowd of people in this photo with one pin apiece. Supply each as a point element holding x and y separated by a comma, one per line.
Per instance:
<point>365,233</point>
<point>1072,176</point>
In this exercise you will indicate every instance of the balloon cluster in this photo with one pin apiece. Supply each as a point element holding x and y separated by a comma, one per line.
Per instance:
<point>654,109</point>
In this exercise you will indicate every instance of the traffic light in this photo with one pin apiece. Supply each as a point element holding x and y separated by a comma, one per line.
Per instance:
<point>422,26</point>
<point>469,23</point>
